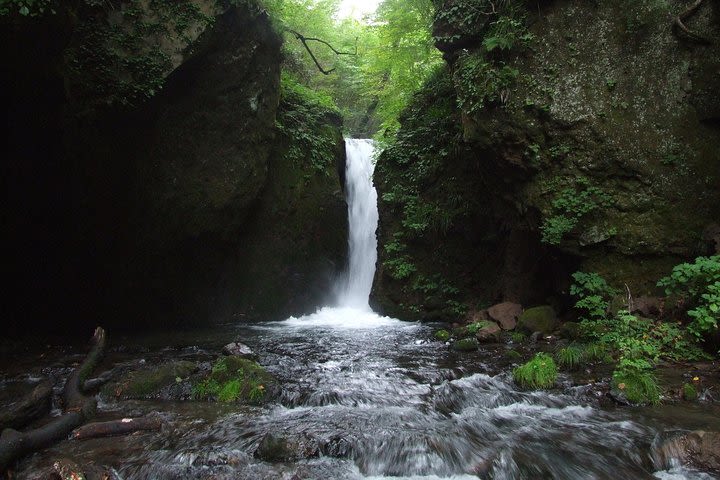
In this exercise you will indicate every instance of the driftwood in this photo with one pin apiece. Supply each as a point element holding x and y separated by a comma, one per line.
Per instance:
<point>118,427</point>
<point>29,408</point>
<point>77,410</point>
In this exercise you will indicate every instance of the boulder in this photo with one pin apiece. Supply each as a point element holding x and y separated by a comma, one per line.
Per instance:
<point>538,319</point>
<point>240,350</point>
<point>698,448</point>
<point>505,314</point>
<point>276,448</point>
<point>465,345</point>
<point>490,332</point>
<point>647,306</point>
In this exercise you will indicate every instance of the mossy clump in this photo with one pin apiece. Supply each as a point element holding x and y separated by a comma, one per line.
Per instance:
<point>689,392</point>
<point>474,327</point>
<point>538,319</point>
<point>235,379</point>
<point>147,383</point>
<point>540,372</point>
<point>518,337</point>
<point>442,335</point>
<point>570,357</point>
<point>514,355</point>
<point>465,345</point>
<point>638,385</point>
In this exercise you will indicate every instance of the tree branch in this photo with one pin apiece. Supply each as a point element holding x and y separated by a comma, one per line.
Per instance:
<point>78,409</point>
<point>303,39</point>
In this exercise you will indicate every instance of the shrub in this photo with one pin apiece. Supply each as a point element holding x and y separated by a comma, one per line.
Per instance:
<point>634,378</point>
<point>540,372</point>
<point>698,284</point>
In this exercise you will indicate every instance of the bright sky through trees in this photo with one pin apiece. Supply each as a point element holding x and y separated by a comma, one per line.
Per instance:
<point>356,8</point>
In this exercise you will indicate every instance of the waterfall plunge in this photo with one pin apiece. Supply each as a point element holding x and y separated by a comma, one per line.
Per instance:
<point>362,220</point>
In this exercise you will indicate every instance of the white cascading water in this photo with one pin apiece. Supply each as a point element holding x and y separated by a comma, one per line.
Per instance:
<point>362,220</point>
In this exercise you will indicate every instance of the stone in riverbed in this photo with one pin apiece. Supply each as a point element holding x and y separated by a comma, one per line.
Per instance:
<point>488,333</point>
<point>538,319</point>
<point>277,448</point>
<point>505,314</point>
<point>465,345</point>
<point>240,350</point>
<point>697,448</point>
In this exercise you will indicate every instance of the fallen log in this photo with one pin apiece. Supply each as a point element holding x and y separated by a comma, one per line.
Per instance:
<point>78,409</point>
<point>118,427</point>
<point>29,408</point>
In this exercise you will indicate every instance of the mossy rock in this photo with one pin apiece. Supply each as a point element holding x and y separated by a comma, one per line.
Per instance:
<point>538,319</point>
<point>465,345</point>
<point>151,382</point>
<point>442,335</point>
<point>236,379</point>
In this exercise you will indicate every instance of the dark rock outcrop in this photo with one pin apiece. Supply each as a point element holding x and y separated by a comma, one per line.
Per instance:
<point>592,144</point>
<point>142,152</point>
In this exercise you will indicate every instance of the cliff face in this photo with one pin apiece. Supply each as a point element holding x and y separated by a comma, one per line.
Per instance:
<point>586,138</point>
<point>141,141</point>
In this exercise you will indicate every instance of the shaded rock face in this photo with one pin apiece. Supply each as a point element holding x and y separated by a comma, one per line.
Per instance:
<point>606,116</point>
<point>129,211</point>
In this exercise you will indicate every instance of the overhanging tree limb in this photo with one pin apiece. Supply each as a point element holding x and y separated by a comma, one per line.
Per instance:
<point>303,39</point>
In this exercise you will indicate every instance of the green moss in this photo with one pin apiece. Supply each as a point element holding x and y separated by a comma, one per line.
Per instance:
<point>124,63</point>
<point>148,382</point>
<point>518,337</point>
<point>475,326</point>
<point>442,335</point>
<point>540,372</point>
<point>689,392</point>
<point>465,345</point>
<point>538,319</point>
<point>234,379</point>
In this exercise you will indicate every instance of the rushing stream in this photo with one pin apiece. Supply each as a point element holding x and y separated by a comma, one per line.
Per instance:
<point>366,396</point>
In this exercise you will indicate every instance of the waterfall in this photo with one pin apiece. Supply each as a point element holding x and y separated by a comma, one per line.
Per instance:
<point>362,222</point>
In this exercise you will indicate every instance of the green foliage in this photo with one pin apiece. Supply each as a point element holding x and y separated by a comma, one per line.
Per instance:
<point>698,284</point>
<point>234,379</point>
<point>514,355</point>
<point>569,207</point>
<point>442,335</point>
<point>480,82</point>
<point>570,357</point>
<point>689,392</point>
<point>475,326</point>
<point>593,294</point>
<point>303,117</point>
<point>540,372</point>
<point>518,337</point>
<point>634,378</point>
<point>230,391</point>
<point>123,63</point>
<point>596,352</point>
<point>28,8</point>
